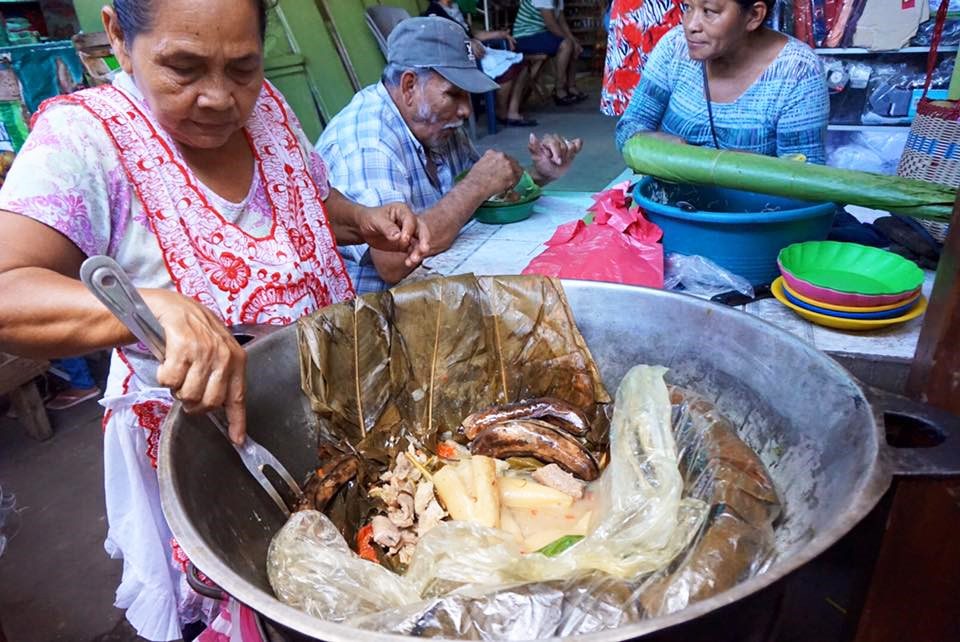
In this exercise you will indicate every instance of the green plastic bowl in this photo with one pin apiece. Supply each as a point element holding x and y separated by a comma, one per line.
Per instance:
<point>494,212</point>
<point>831,267</point>
<point>504,214</point>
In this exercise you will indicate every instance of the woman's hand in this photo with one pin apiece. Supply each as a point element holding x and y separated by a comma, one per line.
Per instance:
<point>205,367</point>
<point>395,228</point>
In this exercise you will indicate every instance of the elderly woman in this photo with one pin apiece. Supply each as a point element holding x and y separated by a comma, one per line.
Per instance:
<point>727,81</point>
<point>193,173</point>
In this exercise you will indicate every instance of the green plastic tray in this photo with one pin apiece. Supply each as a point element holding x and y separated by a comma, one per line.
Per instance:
<point>849,267</point>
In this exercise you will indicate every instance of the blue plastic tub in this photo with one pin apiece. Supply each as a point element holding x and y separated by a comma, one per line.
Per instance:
<point>740,231</point>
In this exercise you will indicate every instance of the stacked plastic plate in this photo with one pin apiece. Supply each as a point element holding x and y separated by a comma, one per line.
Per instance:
<point>848,286</point>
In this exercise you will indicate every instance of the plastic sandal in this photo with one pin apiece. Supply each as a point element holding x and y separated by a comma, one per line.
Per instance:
<point>72,397</point>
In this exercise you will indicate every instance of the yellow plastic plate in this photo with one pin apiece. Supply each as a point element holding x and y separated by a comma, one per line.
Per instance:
<point>845,308</point>
<point>856,325</point>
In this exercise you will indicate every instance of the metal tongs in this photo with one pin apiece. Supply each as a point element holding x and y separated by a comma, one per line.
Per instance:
<point>109,283</point>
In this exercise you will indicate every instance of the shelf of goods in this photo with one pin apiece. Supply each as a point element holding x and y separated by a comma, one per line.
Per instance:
<point>584,19</point>
<point>850,105</point>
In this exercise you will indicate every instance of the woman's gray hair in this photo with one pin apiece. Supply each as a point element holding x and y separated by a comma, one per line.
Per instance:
<point>393,72</point>
<point>136,16</point>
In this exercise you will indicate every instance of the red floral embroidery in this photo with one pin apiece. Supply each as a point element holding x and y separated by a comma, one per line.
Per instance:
<point>150,415</point>
<point>210,258</point>
<point>177,555</point>
<point>124,388</point>
<point>231,273</point>
<point>271,304</point>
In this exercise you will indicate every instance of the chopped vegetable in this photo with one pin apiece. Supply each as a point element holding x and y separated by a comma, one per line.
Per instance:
<point>447,450</point>
<point>522,493</point>
<point>365,547</point>
<point>487,507</point>
<point>452,492</point>
<point>558,546</point>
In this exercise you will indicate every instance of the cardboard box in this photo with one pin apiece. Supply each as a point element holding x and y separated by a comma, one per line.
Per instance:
<point>890,24</point>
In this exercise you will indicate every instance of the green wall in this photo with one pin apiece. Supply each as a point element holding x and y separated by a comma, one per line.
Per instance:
<point>88,12</point>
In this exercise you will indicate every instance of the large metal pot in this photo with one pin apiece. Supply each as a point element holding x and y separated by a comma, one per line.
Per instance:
<point>819,431</point>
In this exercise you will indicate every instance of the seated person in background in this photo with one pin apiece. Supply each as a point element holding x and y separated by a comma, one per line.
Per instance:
<point>767,91</point>
<point>403,139</point>
<point>540,28</point>
<point>512,80</point>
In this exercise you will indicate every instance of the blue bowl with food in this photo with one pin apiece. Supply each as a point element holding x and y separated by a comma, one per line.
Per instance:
<point>740,231</point>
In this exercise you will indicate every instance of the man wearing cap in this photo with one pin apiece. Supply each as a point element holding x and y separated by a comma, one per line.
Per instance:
<point>403,139</point>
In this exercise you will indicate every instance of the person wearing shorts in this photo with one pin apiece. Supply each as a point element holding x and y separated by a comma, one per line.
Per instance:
<point>540,28</point>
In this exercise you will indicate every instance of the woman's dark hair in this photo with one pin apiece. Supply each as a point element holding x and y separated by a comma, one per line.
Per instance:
<point>746,4</point>
<point>136,16</point>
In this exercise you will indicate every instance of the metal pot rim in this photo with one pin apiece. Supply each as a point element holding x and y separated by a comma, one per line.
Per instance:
<point>873,483</point>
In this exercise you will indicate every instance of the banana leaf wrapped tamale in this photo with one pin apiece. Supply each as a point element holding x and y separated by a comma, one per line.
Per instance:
<point>416,360</point>
<point>680,163</point>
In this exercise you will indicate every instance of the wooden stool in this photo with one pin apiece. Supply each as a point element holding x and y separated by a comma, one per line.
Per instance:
<point>16,379</point>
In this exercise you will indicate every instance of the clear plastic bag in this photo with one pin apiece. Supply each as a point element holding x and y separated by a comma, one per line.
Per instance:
<point>699,275</point>
<point>877,152</point>
<point>471,582</point>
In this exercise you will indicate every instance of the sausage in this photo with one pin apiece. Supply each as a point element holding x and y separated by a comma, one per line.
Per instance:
<point>324,482</point>
<point>538,439</point>
<point>559,413</point>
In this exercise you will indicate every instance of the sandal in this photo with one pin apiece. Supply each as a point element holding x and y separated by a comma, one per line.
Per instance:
<point>578,96</point>
<point>565,101</point>
<point>72,397</point>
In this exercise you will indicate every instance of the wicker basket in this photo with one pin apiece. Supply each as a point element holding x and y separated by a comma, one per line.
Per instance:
<point>932,152</point>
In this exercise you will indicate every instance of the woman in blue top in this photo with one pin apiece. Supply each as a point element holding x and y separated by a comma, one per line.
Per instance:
<point>767,92</point>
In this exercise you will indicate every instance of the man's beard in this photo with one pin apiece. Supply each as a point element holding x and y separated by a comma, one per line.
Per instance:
<point>425,117</point>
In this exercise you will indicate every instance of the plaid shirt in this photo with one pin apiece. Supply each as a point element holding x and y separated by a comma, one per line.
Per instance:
<point>373,158</point>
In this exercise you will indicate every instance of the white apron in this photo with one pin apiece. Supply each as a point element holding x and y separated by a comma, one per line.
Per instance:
<point>277,278</point>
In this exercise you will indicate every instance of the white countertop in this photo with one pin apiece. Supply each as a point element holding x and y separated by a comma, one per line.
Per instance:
<point>507,249</point>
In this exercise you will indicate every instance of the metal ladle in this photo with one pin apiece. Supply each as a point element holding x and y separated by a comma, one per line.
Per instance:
<point>111,285</point>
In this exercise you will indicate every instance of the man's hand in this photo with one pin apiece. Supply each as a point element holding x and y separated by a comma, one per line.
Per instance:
<point>494,173</point>
<point>552,156</point>
<point>395,228</point>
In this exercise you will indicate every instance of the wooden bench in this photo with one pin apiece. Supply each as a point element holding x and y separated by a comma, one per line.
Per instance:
<point>17,380</point>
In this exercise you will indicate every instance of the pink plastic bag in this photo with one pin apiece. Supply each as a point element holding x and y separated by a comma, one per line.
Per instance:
<point>235,623</point>
<point>620,246</point>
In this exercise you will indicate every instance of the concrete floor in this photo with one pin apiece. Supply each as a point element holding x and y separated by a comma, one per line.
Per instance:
<point>598,161</point>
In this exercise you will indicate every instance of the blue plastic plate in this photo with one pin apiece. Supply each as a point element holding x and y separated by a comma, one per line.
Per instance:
<point>886,314</point>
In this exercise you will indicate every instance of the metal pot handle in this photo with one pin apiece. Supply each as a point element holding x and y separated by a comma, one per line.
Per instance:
<point>933,448</point>
<point>193,579</point>
<point>246,334</point>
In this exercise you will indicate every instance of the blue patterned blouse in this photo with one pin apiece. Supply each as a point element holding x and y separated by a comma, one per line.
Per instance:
<point>784,112</point>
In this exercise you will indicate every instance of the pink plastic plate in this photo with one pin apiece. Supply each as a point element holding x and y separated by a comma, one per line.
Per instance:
<point>835,297</point>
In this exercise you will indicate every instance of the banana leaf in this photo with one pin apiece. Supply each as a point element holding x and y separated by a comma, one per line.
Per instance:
<point>780,177</point>
<point>414,361</point>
